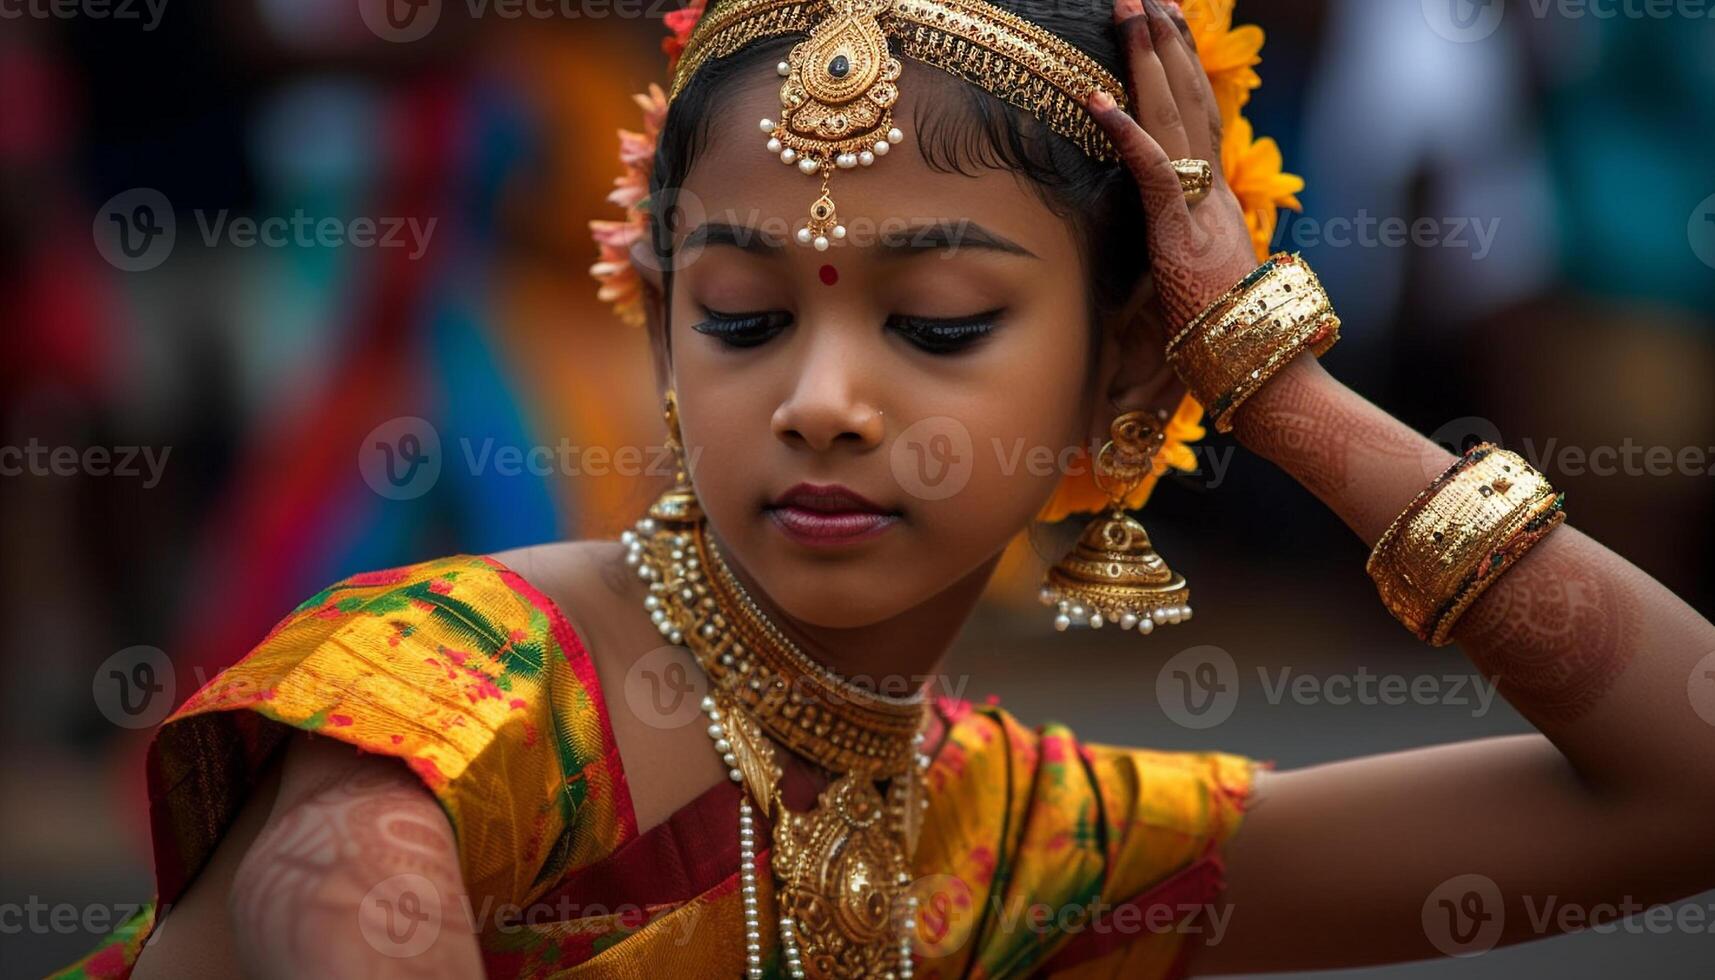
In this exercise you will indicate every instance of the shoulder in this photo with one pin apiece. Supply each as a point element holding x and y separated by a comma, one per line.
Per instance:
<point>649,690</point>
<point>462,668</point>
<point>600,596</point>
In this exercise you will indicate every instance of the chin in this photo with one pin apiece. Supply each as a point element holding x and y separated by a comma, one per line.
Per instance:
<point>842,588</point>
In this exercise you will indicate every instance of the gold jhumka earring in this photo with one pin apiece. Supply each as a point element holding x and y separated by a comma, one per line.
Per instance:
<point>678,503</point>
<point>1113,574</point>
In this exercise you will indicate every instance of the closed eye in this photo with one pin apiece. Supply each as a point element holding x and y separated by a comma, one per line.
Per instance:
<point>946,337</point>
<point>743,330</point>
<point>941,337</point>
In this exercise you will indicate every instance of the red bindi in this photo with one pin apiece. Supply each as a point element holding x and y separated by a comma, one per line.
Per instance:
<point>830,275</point>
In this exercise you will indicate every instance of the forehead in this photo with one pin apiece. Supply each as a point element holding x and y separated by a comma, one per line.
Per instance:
<point>735,179</point>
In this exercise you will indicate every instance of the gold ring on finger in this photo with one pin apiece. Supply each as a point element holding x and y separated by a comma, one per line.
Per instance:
<point>1196,178</point>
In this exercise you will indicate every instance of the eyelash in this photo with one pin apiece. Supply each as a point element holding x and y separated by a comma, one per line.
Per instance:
<point>937,337</point>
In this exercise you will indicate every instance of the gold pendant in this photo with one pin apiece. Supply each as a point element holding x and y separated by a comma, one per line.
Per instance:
<point>844,875</point>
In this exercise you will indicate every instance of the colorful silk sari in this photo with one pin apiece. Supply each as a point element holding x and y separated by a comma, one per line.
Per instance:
<point>1040,854</point>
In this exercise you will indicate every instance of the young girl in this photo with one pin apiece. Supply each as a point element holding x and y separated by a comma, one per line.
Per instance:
<point>708,750</point>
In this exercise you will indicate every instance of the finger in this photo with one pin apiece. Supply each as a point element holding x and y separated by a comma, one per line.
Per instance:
<point>1190,85</point>
<point>1158,184</point>
<point>1156,110</point>
<point>1176,13</point>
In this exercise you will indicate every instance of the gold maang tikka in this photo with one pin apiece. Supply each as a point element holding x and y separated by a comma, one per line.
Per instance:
<point>837,106</point>
<point>841,83</point>
<point>1113,574</point>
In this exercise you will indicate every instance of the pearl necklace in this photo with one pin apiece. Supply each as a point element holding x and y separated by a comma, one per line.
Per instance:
<point>827,856</point>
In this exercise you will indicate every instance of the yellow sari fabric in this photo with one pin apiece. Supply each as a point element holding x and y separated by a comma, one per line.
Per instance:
<point>1040,854</point>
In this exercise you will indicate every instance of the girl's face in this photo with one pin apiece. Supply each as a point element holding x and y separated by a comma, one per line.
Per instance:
<point>936,363</point>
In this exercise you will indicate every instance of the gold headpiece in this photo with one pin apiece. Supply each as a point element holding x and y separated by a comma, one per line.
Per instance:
<point>1252,165</point>
<point>841,83</point>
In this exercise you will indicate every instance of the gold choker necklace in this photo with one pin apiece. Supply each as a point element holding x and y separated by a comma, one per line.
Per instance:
<point>803,705</point>
<point>844,867</point>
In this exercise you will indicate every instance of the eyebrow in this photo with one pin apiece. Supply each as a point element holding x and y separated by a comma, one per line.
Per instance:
<point>921,238</point>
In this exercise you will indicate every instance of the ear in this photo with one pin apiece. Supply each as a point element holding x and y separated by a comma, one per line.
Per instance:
<point>1132,372</point>
<point>654,311</point>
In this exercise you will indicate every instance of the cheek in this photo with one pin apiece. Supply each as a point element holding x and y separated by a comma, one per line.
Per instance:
<point>1024,424</point>
<point>724,416</point>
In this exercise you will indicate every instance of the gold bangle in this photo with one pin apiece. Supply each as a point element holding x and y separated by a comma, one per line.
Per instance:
<point>1242,340</point>
<point>1221,306</point>
<point>1459,536</point>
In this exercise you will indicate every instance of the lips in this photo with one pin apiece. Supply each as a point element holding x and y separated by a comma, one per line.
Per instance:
<point>829,516</point>
<point>830,498</point>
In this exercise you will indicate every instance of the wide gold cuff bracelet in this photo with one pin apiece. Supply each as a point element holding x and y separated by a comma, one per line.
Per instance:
<point>1230,350</point>
<point>1459,536</point>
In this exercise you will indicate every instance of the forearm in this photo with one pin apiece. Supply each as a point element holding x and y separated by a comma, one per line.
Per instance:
<point>1595,653</point>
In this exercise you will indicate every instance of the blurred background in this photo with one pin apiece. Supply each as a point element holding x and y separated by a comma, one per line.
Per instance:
<point>1514,206</point>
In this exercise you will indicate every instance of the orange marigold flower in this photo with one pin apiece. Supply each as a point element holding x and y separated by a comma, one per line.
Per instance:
<point>1079,494</point>
<point>1229,54</point>
<point>1254,170</point>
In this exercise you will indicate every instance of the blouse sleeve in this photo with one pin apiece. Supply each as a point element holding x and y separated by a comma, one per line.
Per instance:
<point>456,667</point>
<point>1084,860</point>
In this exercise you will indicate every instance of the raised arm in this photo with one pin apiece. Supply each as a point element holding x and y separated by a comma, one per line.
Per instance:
<point>1606,812</point>
<point>1458,848</point>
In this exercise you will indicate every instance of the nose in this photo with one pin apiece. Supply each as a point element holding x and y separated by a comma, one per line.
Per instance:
<point>823,409</point>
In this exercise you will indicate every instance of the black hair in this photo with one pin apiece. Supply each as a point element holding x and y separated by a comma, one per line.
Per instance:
<point>1099,199</point>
